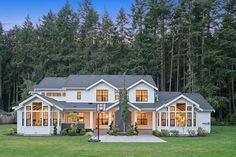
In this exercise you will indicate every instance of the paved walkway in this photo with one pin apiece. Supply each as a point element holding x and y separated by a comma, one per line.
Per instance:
<point>139,138</point>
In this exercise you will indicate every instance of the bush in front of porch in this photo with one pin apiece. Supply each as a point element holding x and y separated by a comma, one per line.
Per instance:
<point>116,132</point>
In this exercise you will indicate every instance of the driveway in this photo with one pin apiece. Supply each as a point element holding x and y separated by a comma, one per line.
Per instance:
<point>139,138</point>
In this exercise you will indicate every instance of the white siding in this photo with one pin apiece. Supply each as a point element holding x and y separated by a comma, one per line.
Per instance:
<point>204,120</point>
<point>34,130</point>
<point>142,86</point>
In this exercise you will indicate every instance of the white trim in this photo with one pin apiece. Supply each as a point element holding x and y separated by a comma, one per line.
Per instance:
<point>181,96</point>
<point>110,107</point>
<point>132,105</point>
<point>136,83</point>
<point>100,82</point>
<point>39,97</point>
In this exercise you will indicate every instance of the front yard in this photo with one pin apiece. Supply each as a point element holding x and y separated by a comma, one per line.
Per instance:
<point>222,143</point>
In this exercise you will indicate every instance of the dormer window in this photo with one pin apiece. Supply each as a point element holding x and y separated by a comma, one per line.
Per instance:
<point>102,95</point>
<point>117,96</point>
<point>141,95</point>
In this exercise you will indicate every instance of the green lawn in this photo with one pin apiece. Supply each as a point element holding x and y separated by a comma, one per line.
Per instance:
<point>222,143</point>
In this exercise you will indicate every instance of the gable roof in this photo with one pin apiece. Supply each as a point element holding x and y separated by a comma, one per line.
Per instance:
<point>84,81</point>
<point>166,97</point>
<point>46,99</point>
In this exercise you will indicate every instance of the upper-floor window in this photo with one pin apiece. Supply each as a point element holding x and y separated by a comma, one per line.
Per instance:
<point>141,95</point>
<point>78,95</point>
<point>117,96</point>
<point>55,94</point>
<point>102,95</point>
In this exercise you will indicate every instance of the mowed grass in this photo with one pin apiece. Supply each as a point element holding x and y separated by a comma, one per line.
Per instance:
<point>221,143</point>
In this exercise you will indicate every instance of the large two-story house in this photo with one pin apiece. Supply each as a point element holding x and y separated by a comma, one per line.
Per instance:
<point>66,100</point>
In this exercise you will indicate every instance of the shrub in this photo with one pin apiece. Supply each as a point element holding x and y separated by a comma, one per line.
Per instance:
<point>156,133</point>
<point>114,131</point>
<point>89,130</point>
<point>174,132</point>
<point>201,132</point>
<point>65,131</point>
<point>89,134</point>
<point>12,131</point>
<point>111,126</point>
<point>72,132</point>
<point>132,132</point>
<point>55,130</point>
<point>162,133</point>
<point>136,128</point>
<point>82,132</point>
<point>191,133</point>
<point>165,133</point>
<point>231,118</point>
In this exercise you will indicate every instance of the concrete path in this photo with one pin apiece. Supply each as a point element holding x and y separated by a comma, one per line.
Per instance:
<point>139,138</point>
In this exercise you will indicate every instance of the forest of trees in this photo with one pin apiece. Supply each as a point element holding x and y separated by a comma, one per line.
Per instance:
<point>187,46</point>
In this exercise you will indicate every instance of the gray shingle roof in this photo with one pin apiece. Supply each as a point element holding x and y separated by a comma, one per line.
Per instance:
<point>163,98</point>
<point>84,81</point>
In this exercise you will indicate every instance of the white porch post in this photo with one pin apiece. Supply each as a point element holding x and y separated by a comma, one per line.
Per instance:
<point>109,117</point>
<point>49,116</point>
<point>24,116</point>
<point>135,117</point>
<point>91,120</point>
<point>153,120</point>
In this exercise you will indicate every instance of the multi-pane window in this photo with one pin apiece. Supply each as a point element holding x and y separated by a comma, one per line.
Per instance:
<point>23,119</point>
<point>189,119</point>
<point>81,117</point>
<point>64,94</point>
<point>54,118</point>
<point>117,96</point>
<point>78,96</point>
<point>194,119</point>
<point>36,115</point>
<point>103,119</point>
<point>141,95</point>
<point>142,119</point>
<point>55,94</point>
<point>183,115</point>
<point>102,95</point>
<point>28,118</point>
<point>172,118</point>
<point>163,118</point>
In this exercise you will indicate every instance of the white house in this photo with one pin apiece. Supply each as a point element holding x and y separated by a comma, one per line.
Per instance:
<point>55,99</point>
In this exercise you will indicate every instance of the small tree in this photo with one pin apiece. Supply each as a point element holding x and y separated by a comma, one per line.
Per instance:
<point>124,102</point>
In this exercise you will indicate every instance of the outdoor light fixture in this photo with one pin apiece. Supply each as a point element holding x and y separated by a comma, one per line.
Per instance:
<point>100,108</point>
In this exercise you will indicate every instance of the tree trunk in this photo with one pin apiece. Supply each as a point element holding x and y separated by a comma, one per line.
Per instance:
<point>189,53</point>
<point>163,79</point>
<point>232,86</point>
<point>171,61</point>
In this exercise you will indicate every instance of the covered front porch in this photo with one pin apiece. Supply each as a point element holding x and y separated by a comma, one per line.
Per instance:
<point>146,120</point>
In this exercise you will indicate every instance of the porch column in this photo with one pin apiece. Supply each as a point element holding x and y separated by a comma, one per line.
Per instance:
<point>109,117</point>
<point>154,120</point>
<point>49,116</point>
<point>91,120</point>
<point>135,117</point>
